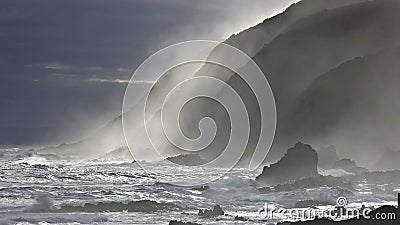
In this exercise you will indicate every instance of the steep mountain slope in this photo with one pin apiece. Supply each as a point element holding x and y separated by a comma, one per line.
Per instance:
<point>321,59</point>
<point>354,106</point>
<point>312,46</point>
<point>249,41</point>
<point>318,43</point>
<point>253,39</point>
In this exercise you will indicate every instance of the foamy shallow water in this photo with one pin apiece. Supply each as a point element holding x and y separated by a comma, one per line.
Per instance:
<point>29,183</point>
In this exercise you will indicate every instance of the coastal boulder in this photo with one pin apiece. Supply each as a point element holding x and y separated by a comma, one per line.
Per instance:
<point>299,162</point>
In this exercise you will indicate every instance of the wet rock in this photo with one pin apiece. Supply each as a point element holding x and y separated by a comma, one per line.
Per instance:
<point>239,218</point>
<point>176,222</point>
<point>216,211</point>
<point>201,188</point>
<point>299,162</point>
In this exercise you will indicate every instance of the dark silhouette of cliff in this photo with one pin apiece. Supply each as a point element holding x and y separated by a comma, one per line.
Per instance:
<point>299,162</point>
<point>333,68</point>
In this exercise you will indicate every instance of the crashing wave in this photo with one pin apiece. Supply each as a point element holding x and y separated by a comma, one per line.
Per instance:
<point>312,182</point>
<point>119,154</point>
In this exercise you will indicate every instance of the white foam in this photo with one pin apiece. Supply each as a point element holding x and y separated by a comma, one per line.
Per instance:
<point>43,202</point>
<point>333,172</point>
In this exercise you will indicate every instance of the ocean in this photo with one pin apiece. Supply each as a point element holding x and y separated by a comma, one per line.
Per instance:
<point>35,190</point>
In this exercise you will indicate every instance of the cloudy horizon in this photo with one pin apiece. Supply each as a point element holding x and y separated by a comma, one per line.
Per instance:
<point>66,64</point>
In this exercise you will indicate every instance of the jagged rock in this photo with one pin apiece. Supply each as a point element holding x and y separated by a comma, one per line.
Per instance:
<point>176,222</point>
<point>216,211</point>
<point>240,218</point>
<point>327,157</point>
<point>201,188</point>
<point>299,162</point>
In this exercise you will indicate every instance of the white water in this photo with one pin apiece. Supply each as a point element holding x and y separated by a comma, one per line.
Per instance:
<point>29,182</point>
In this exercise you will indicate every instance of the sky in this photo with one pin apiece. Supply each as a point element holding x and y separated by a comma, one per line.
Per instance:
<point>66,63</point>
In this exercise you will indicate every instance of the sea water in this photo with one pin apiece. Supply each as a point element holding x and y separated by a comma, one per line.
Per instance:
<point>36,190</point>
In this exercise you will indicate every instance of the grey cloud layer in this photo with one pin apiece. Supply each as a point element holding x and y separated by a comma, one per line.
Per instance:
<point>67,62</point>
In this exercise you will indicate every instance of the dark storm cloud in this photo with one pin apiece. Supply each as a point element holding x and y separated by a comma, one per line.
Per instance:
<point>81,32</point>
<point>67,62</point>
<point>50,49</point>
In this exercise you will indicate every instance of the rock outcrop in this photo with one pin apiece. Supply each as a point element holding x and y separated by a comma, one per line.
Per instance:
<point>176,222</point>
<point>299,162</point>
<point>208,213</point>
